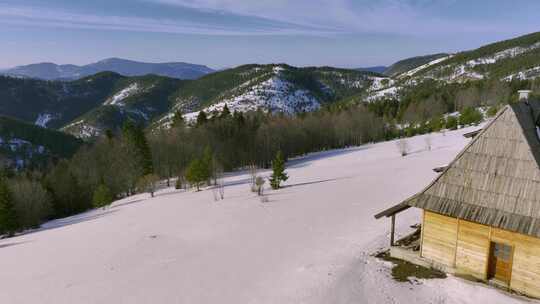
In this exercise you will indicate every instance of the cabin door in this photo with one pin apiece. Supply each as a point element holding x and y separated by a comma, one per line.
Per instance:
<point>500,262</point>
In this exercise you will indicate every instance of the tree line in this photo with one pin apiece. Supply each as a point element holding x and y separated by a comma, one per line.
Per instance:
<point>194,153</point>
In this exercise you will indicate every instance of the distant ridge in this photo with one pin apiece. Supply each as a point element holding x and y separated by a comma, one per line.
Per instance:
<point>52,71</point>
<point>376,69</point>
<point>408,64</point>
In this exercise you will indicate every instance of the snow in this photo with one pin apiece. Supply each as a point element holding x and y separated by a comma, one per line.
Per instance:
<point>117,98</point>
<point>531,73</point>
<point>380,83</point>
<point>274,95</point>
<point>422,67</point>
<point>508,53</point>
<point>310,243</point>
<point>465,71</point>
<point>81,129</point>
<point>384,93</point>
<point>43,119</point>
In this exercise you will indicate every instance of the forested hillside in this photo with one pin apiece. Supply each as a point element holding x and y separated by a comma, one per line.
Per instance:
<point>28,146</point>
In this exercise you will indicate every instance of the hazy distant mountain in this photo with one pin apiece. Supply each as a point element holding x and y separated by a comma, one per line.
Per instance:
<point>376,69</point>
<point>52,71</point>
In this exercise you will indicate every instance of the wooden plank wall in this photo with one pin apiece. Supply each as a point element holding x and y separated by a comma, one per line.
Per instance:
<point>465,246</point>
<point>472,249</point>
<point>525,276</point>
<point>439,238</point>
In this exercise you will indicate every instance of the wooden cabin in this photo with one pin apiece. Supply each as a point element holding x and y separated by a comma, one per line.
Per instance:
<point>481,215</point>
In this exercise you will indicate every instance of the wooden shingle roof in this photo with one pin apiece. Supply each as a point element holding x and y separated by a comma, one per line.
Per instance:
<point>495,180</point>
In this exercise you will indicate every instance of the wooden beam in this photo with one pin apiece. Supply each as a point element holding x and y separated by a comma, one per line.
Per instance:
<point>392,230</point>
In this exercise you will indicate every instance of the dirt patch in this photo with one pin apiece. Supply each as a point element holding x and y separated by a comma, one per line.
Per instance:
<point>404,271</point>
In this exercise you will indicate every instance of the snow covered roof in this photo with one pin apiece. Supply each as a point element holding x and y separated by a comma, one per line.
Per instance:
<point>495,180</point>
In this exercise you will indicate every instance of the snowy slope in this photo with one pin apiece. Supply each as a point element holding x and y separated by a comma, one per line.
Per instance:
<point>117,99</point>
<point>423,67</point>
<point>273,95</point>
<point>311,243</point>
<point>466,70</point>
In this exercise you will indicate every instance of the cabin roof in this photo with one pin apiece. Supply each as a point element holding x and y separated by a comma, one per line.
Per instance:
<point>495,179</point>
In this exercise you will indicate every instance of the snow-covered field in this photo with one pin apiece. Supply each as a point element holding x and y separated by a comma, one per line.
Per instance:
<point>310,243</point>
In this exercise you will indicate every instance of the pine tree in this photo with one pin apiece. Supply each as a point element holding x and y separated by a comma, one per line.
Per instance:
<point>136,140</point>
<point>9,222</point>
<point>278,171</point>
<point>207,162</point>
<point>197,173</point>
<point>225,112</point>
<point>178,119</point>
<point>202,118</point>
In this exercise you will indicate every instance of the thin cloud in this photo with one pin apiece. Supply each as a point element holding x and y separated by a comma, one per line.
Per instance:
<point>39,17</point>
<point>402,17</point>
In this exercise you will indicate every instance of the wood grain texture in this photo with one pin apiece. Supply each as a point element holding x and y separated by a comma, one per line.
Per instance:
<point>472,249</point>
<point>439,238</point>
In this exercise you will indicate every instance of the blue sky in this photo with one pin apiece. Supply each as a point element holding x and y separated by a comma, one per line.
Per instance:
<point>226,33</point>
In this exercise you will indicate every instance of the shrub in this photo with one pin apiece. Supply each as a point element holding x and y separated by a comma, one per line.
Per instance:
<point>470,116</point>
<point>492,111</point>
<point>451,123</point>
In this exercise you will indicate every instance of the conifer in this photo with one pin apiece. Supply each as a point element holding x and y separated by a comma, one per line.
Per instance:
<point>278,171</point>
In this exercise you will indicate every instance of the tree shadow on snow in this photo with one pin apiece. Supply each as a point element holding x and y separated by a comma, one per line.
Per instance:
<point>313,182</point>
<point>72,220</point>
<point>128,203</point>
<point>12,244</point>
<point>303,161</point>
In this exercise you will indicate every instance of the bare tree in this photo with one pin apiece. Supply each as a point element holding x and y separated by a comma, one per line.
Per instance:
<point>219,188</point>
<point>428,140</point>
<point>403,146</point>
<point>32,202</point>
<point>259,184</point>
<point>253,177</point>
<point>148,183</point>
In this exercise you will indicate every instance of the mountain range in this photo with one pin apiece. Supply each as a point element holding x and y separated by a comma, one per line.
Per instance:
<point>52,71</point>
<point>88,106</point>
<point>414,88</point>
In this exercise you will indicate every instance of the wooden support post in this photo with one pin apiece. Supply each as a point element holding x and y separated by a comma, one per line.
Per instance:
<point>392,230</point>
